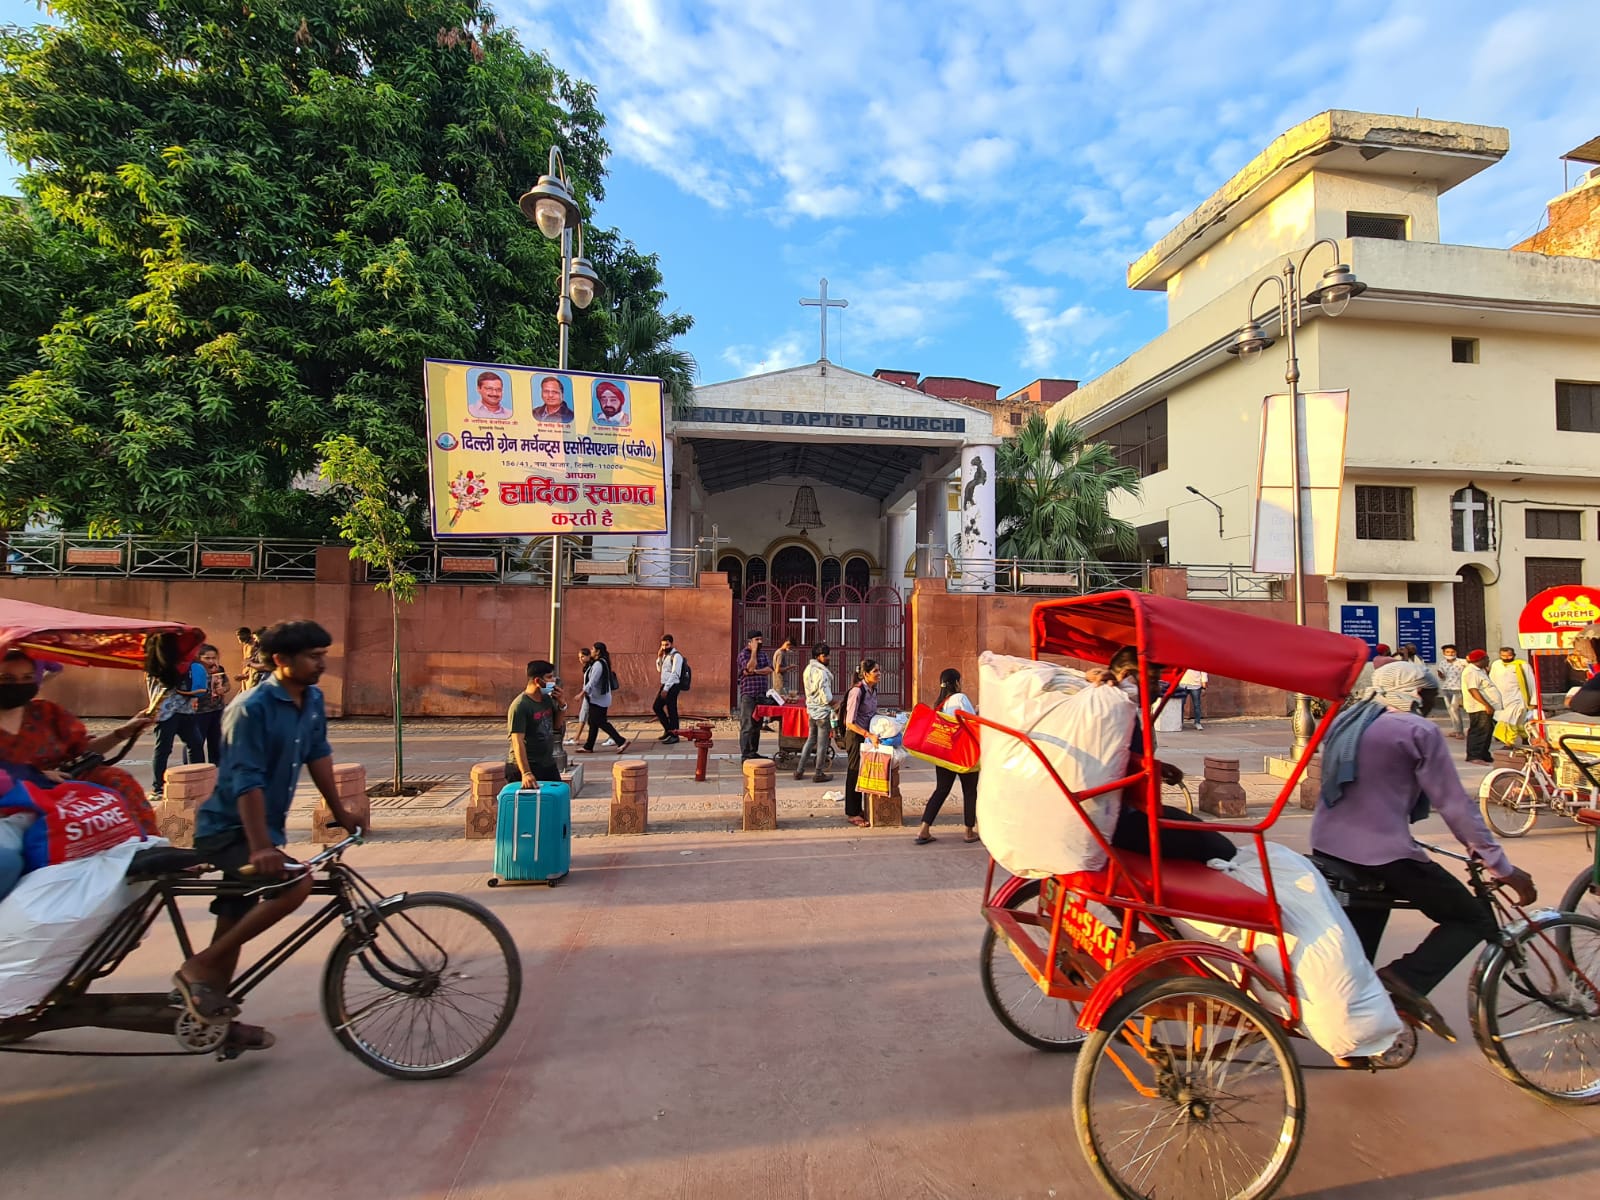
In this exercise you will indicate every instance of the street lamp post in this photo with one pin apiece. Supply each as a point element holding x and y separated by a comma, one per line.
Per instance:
<point>1332,295</point>
<point>550,205</point>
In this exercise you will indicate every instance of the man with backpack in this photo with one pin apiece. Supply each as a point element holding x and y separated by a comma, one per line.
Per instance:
<point>674,679</point>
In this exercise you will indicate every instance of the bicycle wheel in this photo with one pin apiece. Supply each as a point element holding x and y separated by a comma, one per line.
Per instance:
<point>1535,1008</point>
<point>1510,803</point>
<point>429,993</point>
<point>1189,1089</point>
<point>1581,896</point>
<point>1027,1013</point>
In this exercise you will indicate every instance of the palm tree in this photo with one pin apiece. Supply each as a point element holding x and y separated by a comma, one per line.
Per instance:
<point>643,346</point>
<point>1053,496</point>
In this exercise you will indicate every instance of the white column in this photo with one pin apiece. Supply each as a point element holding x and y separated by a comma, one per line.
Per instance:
<point>977,518</point>
<point>654,563</point>
<point>902,537</point>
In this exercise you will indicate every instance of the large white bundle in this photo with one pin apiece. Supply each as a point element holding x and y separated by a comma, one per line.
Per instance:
<point>52,916</point>
<point>1027,824</point>
<point>1343,1006</point>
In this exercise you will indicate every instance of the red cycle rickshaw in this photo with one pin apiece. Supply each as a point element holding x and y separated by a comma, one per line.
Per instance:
<point>1187,1084</point>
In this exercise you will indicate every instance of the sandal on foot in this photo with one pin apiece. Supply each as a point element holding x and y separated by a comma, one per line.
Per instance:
<point>922,839</point>
<point>969,837</point>
<point>242,1038</point>
<point>205,1003</point>
<point>860,822</point>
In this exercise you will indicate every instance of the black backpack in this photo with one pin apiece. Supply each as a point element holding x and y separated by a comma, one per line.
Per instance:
<point>614,683</point>
<point>685,676</point>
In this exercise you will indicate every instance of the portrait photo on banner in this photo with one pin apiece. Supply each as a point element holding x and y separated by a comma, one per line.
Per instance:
<point>611,407</point>
<point>489,395</point>
<point>552,402</point>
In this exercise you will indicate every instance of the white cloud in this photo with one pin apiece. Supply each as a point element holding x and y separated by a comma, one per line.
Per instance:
<point>1048,331</point>
<point>787,351</point>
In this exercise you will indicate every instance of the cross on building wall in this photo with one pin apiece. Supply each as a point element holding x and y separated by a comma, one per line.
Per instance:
<point>822,304</point>
<point>805,618</point>
<point>1469,508</point>
<point>842,621</point>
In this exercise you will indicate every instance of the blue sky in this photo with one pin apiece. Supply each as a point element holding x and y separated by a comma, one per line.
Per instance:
<point>974,178</point>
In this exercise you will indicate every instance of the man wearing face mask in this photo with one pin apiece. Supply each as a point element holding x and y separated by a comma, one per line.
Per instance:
<point>1384,768</point>
<point>534,723</point>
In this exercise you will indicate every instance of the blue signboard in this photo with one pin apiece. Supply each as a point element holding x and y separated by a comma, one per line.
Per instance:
<point>1360,621</point>
<point>1419,626</point>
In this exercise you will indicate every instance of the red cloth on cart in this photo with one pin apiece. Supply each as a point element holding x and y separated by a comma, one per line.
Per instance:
<point>794,721</point>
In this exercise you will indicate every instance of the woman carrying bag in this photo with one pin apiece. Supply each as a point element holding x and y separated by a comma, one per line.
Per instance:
<point>597,691</point>
<point>951,700</point>
<point>860,706</point>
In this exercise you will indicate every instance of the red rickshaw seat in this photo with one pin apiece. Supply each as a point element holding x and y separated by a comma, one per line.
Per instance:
<point>1189,887</point>
<point>1589,816</point>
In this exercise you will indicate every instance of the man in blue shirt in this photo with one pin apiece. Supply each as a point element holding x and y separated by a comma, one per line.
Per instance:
<point>267,734</point>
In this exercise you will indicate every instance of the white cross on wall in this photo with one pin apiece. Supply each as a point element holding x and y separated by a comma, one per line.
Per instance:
<point>1467,506</point>
<point>841,621</point>
<point>803,620</point>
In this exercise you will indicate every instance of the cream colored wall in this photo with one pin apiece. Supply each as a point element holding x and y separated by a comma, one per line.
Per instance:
<point>1337,195</point>
<point>1283,224</point>
<point>756,516</point>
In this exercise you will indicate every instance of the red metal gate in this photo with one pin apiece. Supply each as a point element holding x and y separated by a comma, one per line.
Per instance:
<point>856,626</point>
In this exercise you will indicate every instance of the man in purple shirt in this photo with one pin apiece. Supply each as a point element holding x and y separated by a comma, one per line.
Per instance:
<point>754,672</point>
<point>1402,767</point>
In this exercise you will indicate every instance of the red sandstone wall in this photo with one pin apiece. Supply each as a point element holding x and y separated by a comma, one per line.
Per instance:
<point>464,648</point>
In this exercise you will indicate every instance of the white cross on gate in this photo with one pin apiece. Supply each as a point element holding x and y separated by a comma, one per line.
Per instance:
<point>841,621</point>
<point>1468,507</point>
<point>803,620</point>
<point>822,304</point>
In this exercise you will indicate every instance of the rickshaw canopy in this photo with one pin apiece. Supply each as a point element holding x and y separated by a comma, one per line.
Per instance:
<point>1181,633</point>
<point>60,635</point>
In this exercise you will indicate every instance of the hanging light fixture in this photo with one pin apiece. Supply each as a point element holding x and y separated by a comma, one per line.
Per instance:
<point>805,515</point>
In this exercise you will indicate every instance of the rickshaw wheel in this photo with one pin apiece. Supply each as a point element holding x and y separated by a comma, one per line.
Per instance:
<point>1581,897</point>
<point>1027,1013</point>
<point>1189,1088</point>
<point>1509,803</point>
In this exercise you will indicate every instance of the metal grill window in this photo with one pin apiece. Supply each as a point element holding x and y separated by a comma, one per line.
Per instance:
<point>1578,407</point>
<point>1375,225</point>
<point>1419,593</point>
<point>1557,524</point>
<point>1384,514</point>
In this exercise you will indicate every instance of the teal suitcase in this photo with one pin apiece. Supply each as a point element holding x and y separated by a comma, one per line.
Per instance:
<point>533,834</point>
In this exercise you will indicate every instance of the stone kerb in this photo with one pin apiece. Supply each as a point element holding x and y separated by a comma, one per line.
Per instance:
<point>760,794</point>
<point>1311,784</point>
<point>1221,794</point>
<point>488,778</point>
<point>185,789</point>
<point>350,779</point>
<point>630,796</point>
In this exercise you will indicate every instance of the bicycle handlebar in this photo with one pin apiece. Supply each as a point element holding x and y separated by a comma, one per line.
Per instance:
<point>311,864</point>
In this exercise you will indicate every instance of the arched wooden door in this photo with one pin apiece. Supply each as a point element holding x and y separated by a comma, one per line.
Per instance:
<point>1471,628</point>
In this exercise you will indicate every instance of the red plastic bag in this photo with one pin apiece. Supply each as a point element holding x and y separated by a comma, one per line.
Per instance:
<point>941,740</point>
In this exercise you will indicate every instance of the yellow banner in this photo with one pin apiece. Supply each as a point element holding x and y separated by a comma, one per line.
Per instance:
<point>516,451</point>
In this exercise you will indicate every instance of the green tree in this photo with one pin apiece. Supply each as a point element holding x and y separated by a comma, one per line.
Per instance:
<point>255,218</point>
<point>643,346</point>
<point>1053,496</point>
<point>374,521</point>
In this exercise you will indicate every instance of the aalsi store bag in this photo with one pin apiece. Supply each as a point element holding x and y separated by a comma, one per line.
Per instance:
<point>941,740</point>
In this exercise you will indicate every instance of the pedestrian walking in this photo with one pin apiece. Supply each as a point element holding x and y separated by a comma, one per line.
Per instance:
<point>782,659</point>
<point>753,669</point>
<point>818,684</point>
<point>1192,688</point>
<point>534,723</point>
<point>1476,691</point>
<point>670,664</point>
<point>173,687</point>
<point>208,708</point>
<point>1449,673</point>
<point>255,666</point>
<point>1428,693</point>
<point>952,700</point>
<point>575,731</point>
<point>598,680</point>
<point>1513,680</point>
<point>860,706</point>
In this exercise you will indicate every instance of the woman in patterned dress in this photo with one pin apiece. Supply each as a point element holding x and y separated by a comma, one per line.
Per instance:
<point>43,735</point>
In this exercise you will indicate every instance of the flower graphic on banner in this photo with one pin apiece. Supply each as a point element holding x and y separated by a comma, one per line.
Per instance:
<point>467,490</point>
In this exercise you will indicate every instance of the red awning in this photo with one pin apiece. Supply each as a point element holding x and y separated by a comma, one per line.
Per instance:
<point>85,639</point>
<point>1200,637</point>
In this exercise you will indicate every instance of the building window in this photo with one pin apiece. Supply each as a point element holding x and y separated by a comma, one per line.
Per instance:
<point>1140,441</point>
<point>1375,225</point>
<point>1578,407</point>
<point>1016,418</point>
<point>1419,593</point>
<point>1556,524</point>
<point>1357,591</point>
<point>1541,573</point>
<point>1383,514</point>
<point>1469,520</point>
<point>1464,350</point>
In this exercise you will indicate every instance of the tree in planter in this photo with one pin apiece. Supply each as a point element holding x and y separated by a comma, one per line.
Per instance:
<point>374,521</point>
<point>1053,496</point>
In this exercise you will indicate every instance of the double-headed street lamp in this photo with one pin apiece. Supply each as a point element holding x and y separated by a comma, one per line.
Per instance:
<point>550,205</point>
<point>1339,285</point>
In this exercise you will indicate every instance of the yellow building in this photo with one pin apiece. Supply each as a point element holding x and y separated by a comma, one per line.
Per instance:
<point>1473,443</point>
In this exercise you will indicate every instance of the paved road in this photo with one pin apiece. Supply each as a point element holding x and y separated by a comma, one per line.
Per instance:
<point>710,1016</point>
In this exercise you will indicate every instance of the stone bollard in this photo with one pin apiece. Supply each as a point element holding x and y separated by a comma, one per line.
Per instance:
<point>1311,784</point>
<point>886,811</point>
<point>351,781</point>
<point>630,796</point>
<point>1220,792</point>
<point>174,822</point>
<point>488,778</point>
<point>190,786</point>
<point>760,794</point>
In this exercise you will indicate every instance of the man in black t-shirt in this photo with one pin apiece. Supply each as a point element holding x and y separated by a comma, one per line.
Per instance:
<point>533,727</point>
